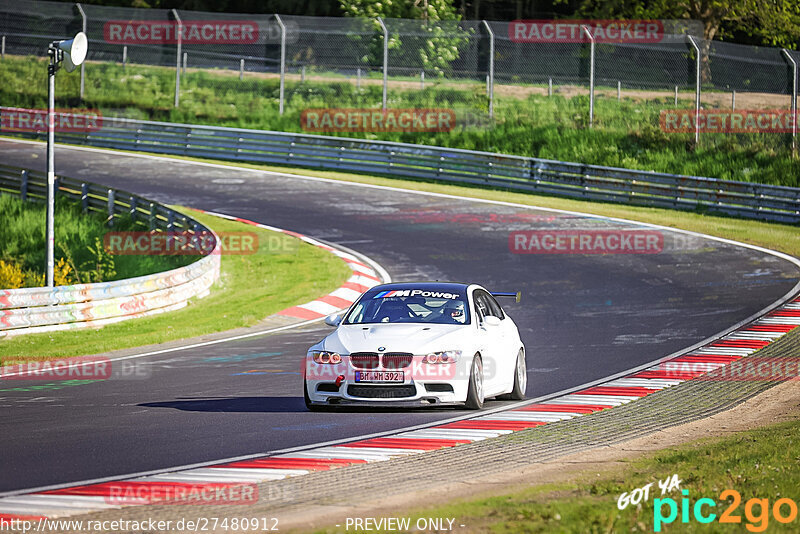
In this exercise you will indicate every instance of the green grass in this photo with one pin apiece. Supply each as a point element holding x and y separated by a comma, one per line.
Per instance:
<point>625,134</point>
<point>23,242</point>
<point>251,287</point>
<point>759,464</point>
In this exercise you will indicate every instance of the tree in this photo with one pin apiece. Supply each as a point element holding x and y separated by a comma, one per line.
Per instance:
<point>440,41</point>
<point>775,22</point>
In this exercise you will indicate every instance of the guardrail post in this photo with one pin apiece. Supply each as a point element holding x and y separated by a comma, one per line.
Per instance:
<point>697,91</point>
<point>23,188</point>
<point>385,59</point>
<point>153,217</point>
<point>178,57</point>
<point>110,219</point>
<point>132,211</point>
<point>85,197</point>
<point>591,74</point>
<point>170,220</point>
<point>793,105</point>
<point>83,64</point>
<point>283,61</point>
<point>490,87</point>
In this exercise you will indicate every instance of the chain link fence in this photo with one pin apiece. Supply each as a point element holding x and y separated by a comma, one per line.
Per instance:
<point>268,63</point>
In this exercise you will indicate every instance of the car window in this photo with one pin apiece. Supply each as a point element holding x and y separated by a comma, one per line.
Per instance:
<point>497,310</point>
<point>486,305</point>
<point>410,306</point>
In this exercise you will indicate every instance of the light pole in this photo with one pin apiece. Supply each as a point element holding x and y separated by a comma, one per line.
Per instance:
<point>71,53</point>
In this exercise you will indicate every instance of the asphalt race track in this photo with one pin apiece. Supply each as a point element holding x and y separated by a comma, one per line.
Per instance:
<point>582,317</point>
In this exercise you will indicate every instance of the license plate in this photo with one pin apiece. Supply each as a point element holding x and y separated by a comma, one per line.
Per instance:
<point>379,376</point>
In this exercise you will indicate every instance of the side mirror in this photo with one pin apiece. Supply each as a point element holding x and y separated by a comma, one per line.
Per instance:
<point>491,320</point>
<point>333,320</point>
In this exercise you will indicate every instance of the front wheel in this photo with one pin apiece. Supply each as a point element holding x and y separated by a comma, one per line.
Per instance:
<point>520,378</point>
<point>475,389</point>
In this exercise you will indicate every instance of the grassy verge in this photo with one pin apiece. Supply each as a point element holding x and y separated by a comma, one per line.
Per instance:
<point>78,239</point>
<point>250,288</point>
<point>758,464</point>
<point>625,134</point>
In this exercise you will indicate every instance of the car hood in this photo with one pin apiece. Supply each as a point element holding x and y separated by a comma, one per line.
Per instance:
<point>414,338</point>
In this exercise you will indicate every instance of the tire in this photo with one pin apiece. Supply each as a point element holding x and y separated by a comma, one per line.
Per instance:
<point>520,378</point>
<point>311,407</point>
<point>475,390</point>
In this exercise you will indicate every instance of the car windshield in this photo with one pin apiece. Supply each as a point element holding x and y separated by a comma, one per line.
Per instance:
<point>410,306</point>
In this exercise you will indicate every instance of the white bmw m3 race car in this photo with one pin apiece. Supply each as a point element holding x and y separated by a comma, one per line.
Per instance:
<point>418,344</point>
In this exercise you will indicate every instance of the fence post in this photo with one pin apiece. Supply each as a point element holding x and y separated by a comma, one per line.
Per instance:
<point>422,79</point>
<point>23,188</point>
<point>549,86</point>
<point>111,208</point>
<point>358,78</point>
<point>83,65</point>
<point>303,74</point>
<point>3,48</point>
<point>153,218</point>
<point>696,91</point>
<point>733,100</point>
<point>241,69</point>
<point>385,59</point>
<point>85,197</point>
<point>793,105</point>
<point>124,56</point>
<point>178,58</point>
<point>676,96</point>
<point>185,61</point>
<point>283,61</point>
<point>490,88</point>
<point>619,90</point>
<point>591,74</point>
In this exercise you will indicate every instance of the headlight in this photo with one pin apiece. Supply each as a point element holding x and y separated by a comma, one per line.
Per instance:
<point>445,356</point>
<point>324,356</point>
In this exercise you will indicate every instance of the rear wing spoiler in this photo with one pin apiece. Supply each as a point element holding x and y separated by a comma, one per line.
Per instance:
<point>517,296</point>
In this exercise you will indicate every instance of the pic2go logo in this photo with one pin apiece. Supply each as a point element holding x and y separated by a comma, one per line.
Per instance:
<point>757,521</point>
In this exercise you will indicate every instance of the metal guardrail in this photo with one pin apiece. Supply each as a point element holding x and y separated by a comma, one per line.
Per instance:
<point>41,309</point>
<point>575,180</point>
